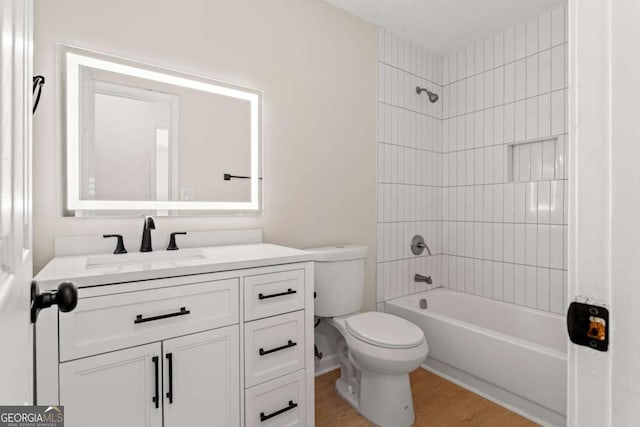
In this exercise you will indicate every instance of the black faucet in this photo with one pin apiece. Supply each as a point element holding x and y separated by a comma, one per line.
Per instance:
<point>149,225</point>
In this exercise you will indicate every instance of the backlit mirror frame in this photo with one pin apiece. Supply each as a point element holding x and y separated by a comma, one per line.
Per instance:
<point>72,58</point>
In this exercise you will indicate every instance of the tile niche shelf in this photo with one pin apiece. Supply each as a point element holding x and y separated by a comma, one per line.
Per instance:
<point>533,160</point>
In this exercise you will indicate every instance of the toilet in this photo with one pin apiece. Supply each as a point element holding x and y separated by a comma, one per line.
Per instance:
<point>377,350</point>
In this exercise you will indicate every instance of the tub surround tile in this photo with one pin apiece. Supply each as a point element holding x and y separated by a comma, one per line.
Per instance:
<point>443,170</point>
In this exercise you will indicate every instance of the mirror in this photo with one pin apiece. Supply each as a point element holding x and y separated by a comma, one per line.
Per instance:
<point>141,138</point>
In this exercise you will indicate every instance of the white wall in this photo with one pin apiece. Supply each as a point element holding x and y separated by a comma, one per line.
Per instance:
<point>317,67</point>
<point>409,165</point>
<point>505,237</point>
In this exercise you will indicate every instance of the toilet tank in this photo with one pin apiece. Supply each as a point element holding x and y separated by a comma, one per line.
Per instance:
<point>339,279</point>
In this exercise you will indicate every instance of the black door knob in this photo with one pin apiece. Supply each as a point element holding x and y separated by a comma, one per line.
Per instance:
<point>65,297</point>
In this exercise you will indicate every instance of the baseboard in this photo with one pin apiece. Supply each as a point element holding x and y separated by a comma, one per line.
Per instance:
<point>328,363</point>
<point>504,398</point>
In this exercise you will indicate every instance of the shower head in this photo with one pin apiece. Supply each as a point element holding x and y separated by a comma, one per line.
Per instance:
<point>433,97</point>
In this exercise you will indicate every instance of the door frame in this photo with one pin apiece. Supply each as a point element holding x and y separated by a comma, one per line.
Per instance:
<point>604,251</point>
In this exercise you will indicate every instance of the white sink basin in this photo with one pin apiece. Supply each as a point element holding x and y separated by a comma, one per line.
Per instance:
<point>142,258</point>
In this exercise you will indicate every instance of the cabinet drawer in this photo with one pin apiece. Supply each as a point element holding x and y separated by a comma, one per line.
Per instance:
<point>106,323</point>
<point>273,293</point>
<point>273,347</point>
<point>280,402</point>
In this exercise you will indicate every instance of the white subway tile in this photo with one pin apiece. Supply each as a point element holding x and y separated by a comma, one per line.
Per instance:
<point>469,130</point>
<point>543,245</point>
<point>557,67</point>
<point>556,246</point>
<point>544,294</point>
<point>532,118</point>
<point>468,276</point>
<point>462,65</point>
<point>520,121</point>
<point>531,214</point>
<point>479,57</point>
<point>565,254</point>
<point>544,31</point>
<point>498,86</point>
<point>498,49</point>
<point>532,36</point>
<point>498,241</point>
<point>498,125</point>
<point>544,116</point>
<point>478,133</point>
<point>531,244</point>
<point>478,239</point>
<point>478,203</point>
<point>561,155</point>
<point>453,67</point>
<point>509,82</point>
<point>479,99</point>
<point>508,283</point>
<point>509,202</point>
<point>532,76</point>
<point>487,203</point>
<point>478,277</point>
<point>520,202</point>
<point>498,202</point>
<point>544,72</point>
<point>531,287</point>
<point>469,203</point>
<point>558,25</point>
<point>488,53</point>
<point>509,243</point>
<point>521,40</point>
<point>470,84</point>
<point>488,89</point>
<point>509,45</point>
<point>536,161</point>
<point>556,291</point>
<point>556,205</point>
<point>544,203</point>
<point>487,269</point>
<point>518,284</point>
<point>557,112</point>
<point>497,280</point>
<point>521,79</point>
<point>470,60</point>
<point>488,127</point>
<point>518,244</point>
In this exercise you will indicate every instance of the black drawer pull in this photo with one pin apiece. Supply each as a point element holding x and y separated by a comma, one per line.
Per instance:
<point>289,292</point>
<point>139,319</point>
<point>264,417</point>
<point>169,357</point>
<point>262,351</point>
<point>155,399</point>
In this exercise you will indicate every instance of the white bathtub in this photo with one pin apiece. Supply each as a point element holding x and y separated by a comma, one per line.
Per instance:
<point>513,355</point>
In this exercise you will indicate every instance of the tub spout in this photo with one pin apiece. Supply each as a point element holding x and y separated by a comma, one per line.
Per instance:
<point>424,279</point>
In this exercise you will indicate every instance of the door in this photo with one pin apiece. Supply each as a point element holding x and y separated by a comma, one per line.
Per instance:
<point>604,253</point>
<point>16,363</point>
<point>202,379</point>
<point>122,388</point>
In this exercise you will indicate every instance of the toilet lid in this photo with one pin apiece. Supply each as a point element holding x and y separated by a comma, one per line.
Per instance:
<point>384,330</point>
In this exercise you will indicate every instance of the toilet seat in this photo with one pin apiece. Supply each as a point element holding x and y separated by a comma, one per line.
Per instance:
<point>384,330</point>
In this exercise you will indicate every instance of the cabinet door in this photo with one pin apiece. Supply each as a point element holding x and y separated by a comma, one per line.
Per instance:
<point>202,379</point>
<point>121,388</point>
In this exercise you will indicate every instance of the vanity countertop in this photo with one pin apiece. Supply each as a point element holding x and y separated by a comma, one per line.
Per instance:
<point>93,270</point>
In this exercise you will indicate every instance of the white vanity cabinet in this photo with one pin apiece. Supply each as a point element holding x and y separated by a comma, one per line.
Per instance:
<point>226,348</point>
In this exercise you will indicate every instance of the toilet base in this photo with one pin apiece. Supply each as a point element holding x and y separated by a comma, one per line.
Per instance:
<point>347,392</point>
<point>386,400</point>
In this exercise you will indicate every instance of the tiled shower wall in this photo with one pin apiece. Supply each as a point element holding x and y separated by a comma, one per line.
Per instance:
<point>409,165</point>
<point>504,174</point>
<point>481,174</point>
